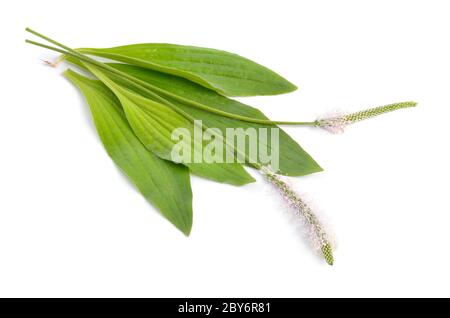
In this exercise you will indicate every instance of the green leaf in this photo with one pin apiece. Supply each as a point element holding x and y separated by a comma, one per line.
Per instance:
<point>226,73</point>
<point>294,161</point>
<point>164,184</point>
<point>154,123</point>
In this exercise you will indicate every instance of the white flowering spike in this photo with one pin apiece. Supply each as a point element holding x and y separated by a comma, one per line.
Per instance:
<point>319,236</point>
<point>337,124</point>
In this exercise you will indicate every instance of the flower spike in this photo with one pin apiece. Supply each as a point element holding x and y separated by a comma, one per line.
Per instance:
<point>319,236</point>
<point>337,124</point>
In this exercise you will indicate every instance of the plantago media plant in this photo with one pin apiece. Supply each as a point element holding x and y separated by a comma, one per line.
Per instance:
<point>163,112</point>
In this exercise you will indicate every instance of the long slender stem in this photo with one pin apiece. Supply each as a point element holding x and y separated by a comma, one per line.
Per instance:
<point>83,57</point>
<point>166,102</point>
<point>125,79</point>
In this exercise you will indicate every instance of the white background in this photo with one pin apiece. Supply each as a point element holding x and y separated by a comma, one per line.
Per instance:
<point>72,225</point>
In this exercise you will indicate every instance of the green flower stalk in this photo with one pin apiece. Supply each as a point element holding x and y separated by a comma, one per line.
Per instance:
<point>319,237</point>
<point>337,124</point>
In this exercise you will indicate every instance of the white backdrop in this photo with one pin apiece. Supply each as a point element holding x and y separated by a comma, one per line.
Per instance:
<point>72,225</point>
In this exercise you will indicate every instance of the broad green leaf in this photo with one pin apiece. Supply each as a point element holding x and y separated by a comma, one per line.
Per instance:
<point>164,184</point>
<point>226,73</point>
<point>294,161</point>
<point>154,124</point>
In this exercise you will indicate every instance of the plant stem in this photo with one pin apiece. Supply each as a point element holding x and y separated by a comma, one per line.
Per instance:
<point>166,102</point>
<point>74,53</point>
<point>107,68</point>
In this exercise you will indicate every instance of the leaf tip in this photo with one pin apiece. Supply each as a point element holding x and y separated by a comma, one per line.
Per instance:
<point>291,87</point>
<point>187,232</point>
<point>245,179</point>
<point>185,228</point>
